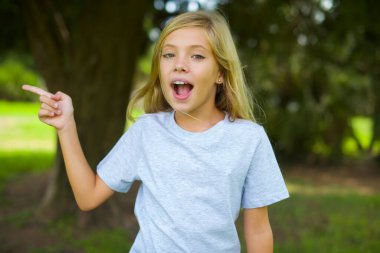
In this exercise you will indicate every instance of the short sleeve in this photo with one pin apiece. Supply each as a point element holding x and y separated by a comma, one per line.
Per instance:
<point>264,184</point>
<point>119,168</point>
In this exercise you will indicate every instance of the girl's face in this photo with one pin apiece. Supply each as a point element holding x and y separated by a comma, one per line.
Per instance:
<point>189,72</point>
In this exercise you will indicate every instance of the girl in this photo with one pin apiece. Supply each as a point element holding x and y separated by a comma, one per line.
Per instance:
<point>197,152</point>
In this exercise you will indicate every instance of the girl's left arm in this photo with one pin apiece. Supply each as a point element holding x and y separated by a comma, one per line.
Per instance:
<point>257,230</point>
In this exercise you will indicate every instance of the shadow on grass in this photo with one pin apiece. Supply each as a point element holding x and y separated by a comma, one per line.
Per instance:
<point>23,178</point>
<point>14,163</point>
<point>327,223</point>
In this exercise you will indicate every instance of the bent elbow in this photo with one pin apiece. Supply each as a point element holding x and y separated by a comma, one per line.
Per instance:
<point>86,206</point>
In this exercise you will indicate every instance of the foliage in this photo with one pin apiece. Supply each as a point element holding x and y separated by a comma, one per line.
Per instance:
<point>15,71</point>
<point>313,67</point>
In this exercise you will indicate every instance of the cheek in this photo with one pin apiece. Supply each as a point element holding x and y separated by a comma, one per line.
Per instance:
<point>165,88</point>
<point>208,75</point>
<point>164,71</point>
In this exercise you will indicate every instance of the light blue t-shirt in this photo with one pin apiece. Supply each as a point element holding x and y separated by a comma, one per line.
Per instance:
<point>193,184</point>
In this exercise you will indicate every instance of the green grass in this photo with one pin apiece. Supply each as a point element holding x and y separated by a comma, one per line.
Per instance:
<point>327,223</point>
<point>99,241</point>
<point>26,144</point>
<point>89,241</point>
<point>105,241</point>
<point>328,219</point>
<point>14,163</point>
<point>325,219</point>
<point>20,128</point>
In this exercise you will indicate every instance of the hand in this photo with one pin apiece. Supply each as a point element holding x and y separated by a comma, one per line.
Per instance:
<point>56,109</point>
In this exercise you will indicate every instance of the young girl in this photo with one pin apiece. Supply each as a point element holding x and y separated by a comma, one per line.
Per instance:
<point>197,152</point>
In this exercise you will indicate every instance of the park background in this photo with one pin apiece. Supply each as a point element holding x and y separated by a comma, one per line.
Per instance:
<point>313,66</point>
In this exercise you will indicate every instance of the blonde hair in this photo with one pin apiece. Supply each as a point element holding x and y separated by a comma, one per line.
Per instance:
<point>233,96</point>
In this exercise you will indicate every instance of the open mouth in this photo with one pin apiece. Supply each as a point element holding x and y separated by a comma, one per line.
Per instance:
<point>182,89</point>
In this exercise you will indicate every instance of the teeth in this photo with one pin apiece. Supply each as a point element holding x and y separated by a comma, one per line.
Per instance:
<point>179,82</point>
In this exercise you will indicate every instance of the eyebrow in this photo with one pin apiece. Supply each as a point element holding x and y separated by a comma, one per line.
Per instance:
<point>192,46</point>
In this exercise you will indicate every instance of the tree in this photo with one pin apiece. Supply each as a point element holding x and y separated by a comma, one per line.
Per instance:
<point>89,51</point>
<point>313,65</point>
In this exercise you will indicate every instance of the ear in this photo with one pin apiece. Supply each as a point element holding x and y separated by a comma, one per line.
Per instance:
<point>220,78</point>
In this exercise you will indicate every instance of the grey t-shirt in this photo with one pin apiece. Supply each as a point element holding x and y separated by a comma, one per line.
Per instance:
<point>193,184</point>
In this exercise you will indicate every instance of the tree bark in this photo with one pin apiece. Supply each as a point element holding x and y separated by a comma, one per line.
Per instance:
<point>89,51</point>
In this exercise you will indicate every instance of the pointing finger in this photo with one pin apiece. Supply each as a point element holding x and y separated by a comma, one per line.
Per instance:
<point>36,90</point>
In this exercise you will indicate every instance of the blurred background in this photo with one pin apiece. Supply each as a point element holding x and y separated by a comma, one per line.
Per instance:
<point>313,67</point>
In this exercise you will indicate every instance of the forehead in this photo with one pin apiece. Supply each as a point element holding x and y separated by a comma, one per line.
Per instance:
<point>188,37</point>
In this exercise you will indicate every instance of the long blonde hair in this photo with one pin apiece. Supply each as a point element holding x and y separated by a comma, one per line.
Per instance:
<point>233,96</point>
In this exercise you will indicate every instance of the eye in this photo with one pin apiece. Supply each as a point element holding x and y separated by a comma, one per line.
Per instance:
<point>197,57</point>
<point>168,55</point>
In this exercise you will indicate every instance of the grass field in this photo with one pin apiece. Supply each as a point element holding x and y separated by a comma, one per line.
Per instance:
<point>329,217</point>
<point>25,143</point>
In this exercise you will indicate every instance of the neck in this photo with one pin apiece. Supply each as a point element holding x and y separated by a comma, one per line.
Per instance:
<point>200,122</point>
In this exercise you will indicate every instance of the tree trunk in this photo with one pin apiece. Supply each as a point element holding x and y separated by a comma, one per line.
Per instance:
<point>89,51</point>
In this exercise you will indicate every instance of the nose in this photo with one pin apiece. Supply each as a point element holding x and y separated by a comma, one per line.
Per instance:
<point>180,66</point>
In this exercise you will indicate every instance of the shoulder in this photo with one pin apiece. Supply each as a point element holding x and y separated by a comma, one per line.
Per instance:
<point>150,121</point>
<point>145,123</point>
<point>158,116</point>
<point>153,118</point>
<point>246,127</point>
<point>244,133</point>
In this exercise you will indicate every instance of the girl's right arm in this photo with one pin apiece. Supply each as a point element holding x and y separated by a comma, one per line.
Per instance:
<point>57,110</point>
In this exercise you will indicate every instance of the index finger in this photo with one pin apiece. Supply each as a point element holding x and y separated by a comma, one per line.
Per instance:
<point>36,90</point>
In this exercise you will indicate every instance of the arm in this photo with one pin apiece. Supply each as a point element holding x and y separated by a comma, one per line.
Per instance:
<point>257,230</point>
<point>89,190</point>
<point>57,110</point>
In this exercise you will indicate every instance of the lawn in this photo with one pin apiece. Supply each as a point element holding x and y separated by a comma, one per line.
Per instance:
<point>328,212</point>
<point>25,144</point>
<point>327,223</point>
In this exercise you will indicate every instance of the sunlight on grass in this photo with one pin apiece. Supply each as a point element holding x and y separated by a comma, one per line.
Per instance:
<point>20,128</point>
<point>339,190</point>
<point>26,144</point>
<point>18,108</point>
